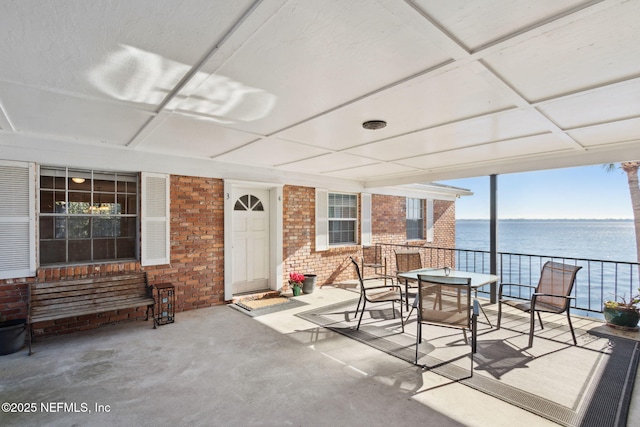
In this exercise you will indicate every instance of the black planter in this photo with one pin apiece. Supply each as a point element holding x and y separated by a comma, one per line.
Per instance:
<point>309,284</point>
<point>12,335</point>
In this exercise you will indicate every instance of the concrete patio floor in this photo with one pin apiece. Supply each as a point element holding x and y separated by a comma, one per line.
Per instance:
<point>218,366</point>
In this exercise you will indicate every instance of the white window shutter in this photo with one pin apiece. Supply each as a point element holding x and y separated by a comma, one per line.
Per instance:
<point>365,230</point>
<point>155,219</point>
<point>430,220</point>
<point>17,220</point>
<point>322,219</point>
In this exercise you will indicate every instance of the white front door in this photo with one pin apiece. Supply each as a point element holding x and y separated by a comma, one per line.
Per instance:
<point>250,240</point>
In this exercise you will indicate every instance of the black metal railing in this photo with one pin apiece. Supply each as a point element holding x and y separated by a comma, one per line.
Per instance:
<point>597,281</point>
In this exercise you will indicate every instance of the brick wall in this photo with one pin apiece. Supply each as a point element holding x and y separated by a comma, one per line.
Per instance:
<point>197,250</point>
<point>388,226</point>
<point>196,269</point>
<point>299,240</point>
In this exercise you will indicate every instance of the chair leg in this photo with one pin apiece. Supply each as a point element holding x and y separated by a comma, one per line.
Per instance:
<point>540,320</point>
<point>418,339</point>
<point>401,314</point>
<point>358,306</point>
<point>499,314</point>
<point>571,328</point>
<point>531,326</point>
<point>364,303</point>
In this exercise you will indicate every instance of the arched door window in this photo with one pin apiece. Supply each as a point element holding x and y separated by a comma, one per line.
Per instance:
<point>248,202</point>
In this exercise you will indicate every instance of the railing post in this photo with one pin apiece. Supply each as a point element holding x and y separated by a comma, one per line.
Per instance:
<point>493,234</point>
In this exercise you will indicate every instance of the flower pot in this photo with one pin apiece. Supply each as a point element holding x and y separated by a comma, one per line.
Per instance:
<point>623,318</point>
<point>297,291</point>
<point>309,284</point>
<point>12,335</point>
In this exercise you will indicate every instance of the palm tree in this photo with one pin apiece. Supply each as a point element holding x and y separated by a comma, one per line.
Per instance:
<point>631,169</point>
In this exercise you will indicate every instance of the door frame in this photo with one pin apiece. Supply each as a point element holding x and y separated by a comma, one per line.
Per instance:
<point>275,232</point>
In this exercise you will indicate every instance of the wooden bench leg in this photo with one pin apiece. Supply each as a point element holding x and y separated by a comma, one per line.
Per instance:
<point>30,333</point>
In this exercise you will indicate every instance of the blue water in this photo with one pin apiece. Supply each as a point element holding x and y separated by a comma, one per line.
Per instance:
<point>608,240</point>
<point>612,240</point>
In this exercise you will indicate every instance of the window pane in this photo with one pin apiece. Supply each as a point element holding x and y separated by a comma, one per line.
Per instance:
<point>52,251</point>
<point>104,185</point>
<point>76,183</point>
<point>105,227</point>
<point>343,206</point>
<point>47,229</point>
<point>126,248</point>
<point>127,204</point>
<point>46,182</point>
<point>81,218</point>
<point>342,232</point>
<point>79,228</point>
<point>414,229</point>
<point>79,250</point>
<point>79,203</point>
<point>104,249</point>
<point>127,227</point>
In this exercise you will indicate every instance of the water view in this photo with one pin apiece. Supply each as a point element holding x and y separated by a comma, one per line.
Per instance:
<point>612,240</point>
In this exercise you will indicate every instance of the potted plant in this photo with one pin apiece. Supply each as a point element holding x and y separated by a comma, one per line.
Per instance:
<point>295,281</point>
<point>622,313</point>
<point>12,335</point>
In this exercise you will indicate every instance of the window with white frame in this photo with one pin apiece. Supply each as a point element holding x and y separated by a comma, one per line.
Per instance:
<point>415,219</point>
<point>87,215</point>
<point>343,218</point>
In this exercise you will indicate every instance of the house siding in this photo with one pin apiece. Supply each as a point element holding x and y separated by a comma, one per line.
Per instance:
<point>197,251</point>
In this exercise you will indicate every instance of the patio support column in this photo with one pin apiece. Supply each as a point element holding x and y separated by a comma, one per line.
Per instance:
<point>493,233</point>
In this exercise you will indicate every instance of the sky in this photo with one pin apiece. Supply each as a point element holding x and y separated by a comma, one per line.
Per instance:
<point>580,192</point>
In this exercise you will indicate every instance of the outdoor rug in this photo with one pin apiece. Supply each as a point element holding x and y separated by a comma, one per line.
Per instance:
<point>259,307</point>
<point>585,385</point>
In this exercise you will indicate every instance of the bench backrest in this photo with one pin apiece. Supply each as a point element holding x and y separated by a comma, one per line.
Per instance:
<point>89,290</point>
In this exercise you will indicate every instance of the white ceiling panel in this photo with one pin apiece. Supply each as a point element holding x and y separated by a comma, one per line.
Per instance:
<point>381,170</point>
<point>188,137</point>
<point>70,118</point>
<point>574,57</point>
<point>271,152</point>
<point>610,103</point>
<point>454,95</point>
<point>112,49</point>
<point>283,86</point>
<point>474,24</point>
<point>495,127</point>
<point>328,163</point>
<point>315,58</point>
<point>498,151</point>
<point>622,131</point>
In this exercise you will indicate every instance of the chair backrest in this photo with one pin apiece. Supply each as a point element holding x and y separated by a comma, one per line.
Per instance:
<point>407,261</point>
<point>444,301</point>
<point>371,255</point>
<point>558,279</point>
<point>357,267</point>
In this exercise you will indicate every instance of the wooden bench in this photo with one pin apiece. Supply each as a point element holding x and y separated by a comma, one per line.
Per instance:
<point>90,295</point>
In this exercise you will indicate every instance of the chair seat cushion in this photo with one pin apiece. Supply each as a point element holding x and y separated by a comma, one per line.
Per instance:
<point>526,306</point>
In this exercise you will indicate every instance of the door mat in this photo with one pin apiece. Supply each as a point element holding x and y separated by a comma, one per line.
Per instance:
<point>585,385</point>
<point>259,307</point>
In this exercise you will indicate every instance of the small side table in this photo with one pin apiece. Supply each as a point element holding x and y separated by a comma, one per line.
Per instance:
<point>165,294</point>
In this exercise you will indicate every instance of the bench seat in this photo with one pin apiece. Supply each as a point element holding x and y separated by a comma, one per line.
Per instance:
<point>96,294</point>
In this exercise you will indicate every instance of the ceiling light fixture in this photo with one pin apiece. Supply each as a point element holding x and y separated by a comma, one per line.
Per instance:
<point>78,180</point>
<point>374,124</point>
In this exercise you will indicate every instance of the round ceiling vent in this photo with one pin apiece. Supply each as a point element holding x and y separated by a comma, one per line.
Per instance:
<point>374,124</point>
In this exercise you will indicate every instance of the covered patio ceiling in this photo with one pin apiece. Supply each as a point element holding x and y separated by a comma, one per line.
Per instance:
<point>278,89</point>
